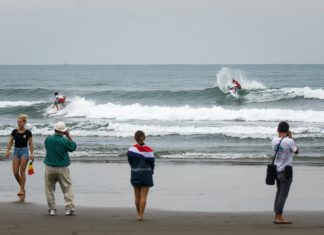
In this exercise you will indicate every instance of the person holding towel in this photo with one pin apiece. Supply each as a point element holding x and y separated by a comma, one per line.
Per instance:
<point>141,161</point>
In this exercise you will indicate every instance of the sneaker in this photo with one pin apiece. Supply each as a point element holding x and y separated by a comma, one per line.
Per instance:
<point>69,212</point>
<point>52,212</point>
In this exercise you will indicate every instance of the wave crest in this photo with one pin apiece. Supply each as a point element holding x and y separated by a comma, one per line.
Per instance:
<point>80,107</point>
<point>107,128</point>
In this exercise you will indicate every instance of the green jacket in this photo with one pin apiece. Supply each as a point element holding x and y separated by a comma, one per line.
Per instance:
<point>57,148</point>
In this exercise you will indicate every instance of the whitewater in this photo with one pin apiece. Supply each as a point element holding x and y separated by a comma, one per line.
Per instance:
<point>168,113</point>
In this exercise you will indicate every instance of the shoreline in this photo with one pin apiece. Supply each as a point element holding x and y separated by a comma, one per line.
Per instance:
<point>31,218</point>
<point>313,162</point>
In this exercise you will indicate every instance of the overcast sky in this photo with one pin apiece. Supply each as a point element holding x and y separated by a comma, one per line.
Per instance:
<point>161,31</point>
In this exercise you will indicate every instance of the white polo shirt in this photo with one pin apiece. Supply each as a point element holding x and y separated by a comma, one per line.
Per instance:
<point>286,151</point>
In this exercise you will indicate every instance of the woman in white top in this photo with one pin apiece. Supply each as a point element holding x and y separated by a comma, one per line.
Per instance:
<point>286,149</point>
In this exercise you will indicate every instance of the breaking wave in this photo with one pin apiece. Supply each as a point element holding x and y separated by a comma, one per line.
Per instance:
<point>81,107</point>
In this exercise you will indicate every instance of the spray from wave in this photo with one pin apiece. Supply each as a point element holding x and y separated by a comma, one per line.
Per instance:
<point>225,75</point>
<point>257,92</point>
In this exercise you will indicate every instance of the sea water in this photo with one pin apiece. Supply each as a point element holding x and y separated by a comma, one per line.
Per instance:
<point>185,110</point>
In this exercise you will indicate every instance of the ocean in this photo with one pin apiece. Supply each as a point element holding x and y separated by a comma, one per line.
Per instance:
<point>185,110</point>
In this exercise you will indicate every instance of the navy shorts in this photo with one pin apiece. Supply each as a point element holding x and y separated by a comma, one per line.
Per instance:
<point>21,153</point>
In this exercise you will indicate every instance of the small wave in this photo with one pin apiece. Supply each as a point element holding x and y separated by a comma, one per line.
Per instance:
<point>306,92</point>
<point>220,156</point>
<point>234,131</point>
<point>238,157</point>
<point>270,95</point>
<point>27,92</point>
<point>179,96</point>
<point>90,154</point>
<point>111,129</point>
<point>225,75</point>
<point>5,104</point>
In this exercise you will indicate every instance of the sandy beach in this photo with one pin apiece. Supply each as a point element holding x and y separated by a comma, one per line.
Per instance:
<point>30,218</point>
<point>222,202</point>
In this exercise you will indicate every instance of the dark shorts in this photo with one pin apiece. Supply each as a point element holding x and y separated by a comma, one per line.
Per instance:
<point>142,179</point>
<point>21,153</point>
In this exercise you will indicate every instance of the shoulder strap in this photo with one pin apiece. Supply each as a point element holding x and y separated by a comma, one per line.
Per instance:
<point>277,150</point>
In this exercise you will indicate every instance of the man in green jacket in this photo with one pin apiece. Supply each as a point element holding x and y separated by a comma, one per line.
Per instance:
<point>56,162</point>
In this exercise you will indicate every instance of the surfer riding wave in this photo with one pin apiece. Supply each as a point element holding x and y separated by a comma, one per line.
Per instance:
<point>59,99</point>
<point>235,86</point>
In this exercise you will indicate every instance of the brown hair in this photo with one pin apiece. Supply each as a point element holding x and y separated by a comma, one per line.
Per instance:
<point>23,117</point>
<point>139,136</point>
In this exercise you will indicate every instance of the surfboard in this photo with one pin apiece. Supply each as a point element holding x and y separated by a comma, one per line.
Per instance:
<point>52,111</point>
<point>233,93</point>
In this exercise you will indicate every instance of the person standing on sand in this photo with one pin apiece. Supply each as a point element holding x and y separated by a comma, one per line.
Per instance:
<point>283,162</point>
<point>141,160</point>
<point>22,138</point>
<point>56,162</point>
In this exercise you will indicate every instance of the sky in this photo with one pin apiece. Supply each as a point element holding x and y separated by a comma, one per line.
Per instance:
<point>161,31</point>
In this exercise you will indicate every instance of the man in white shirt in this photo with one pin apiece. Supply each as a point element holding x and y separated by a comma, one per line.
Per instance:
<point>286,147</point>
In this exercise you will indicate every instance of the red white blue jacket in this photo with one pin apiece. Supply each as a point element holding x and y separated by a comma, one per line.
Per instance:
<point>141,158</point>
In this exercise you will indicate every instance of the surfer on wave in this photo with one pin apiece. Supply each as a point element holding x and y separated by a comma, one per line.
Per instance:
<point>59,99</point>
<point>235,86</point>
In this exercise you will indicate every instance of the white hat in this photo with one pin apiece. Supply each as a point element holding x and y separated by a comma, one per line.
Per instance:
<point>60,126</point>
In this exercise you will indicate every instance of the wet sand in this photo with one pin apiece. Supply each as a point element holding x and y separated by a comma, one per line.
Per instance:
<point>178,187</point>
<point>30,218</point>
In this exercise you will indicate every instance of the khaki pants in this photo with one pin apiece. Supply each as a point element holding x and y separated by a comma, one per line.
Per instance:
<point>61,175</point>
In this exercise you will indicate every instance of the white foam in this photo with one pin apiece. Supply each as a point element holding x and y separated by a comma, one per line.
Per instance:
<point>236,131</point>
<point>80,107</point>
<point>285,94</point>
<point>85,154</point>
<point>305,92</point>
<point>311,93</point>
<point>221,156</point>
<point>112,129</point>
<point>225,75</point>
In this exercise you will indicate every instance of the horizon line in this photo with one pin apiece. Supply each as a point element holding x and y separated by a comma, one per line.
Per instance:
<point>134,64</point>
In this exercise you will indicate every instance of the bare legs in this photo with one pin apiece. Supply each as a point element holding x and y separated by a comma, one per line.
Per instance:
<point>56,105</point>
<point>15,169</point>
<point>140,200</point>
<point>19,169</point>
<point>137,192</point>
